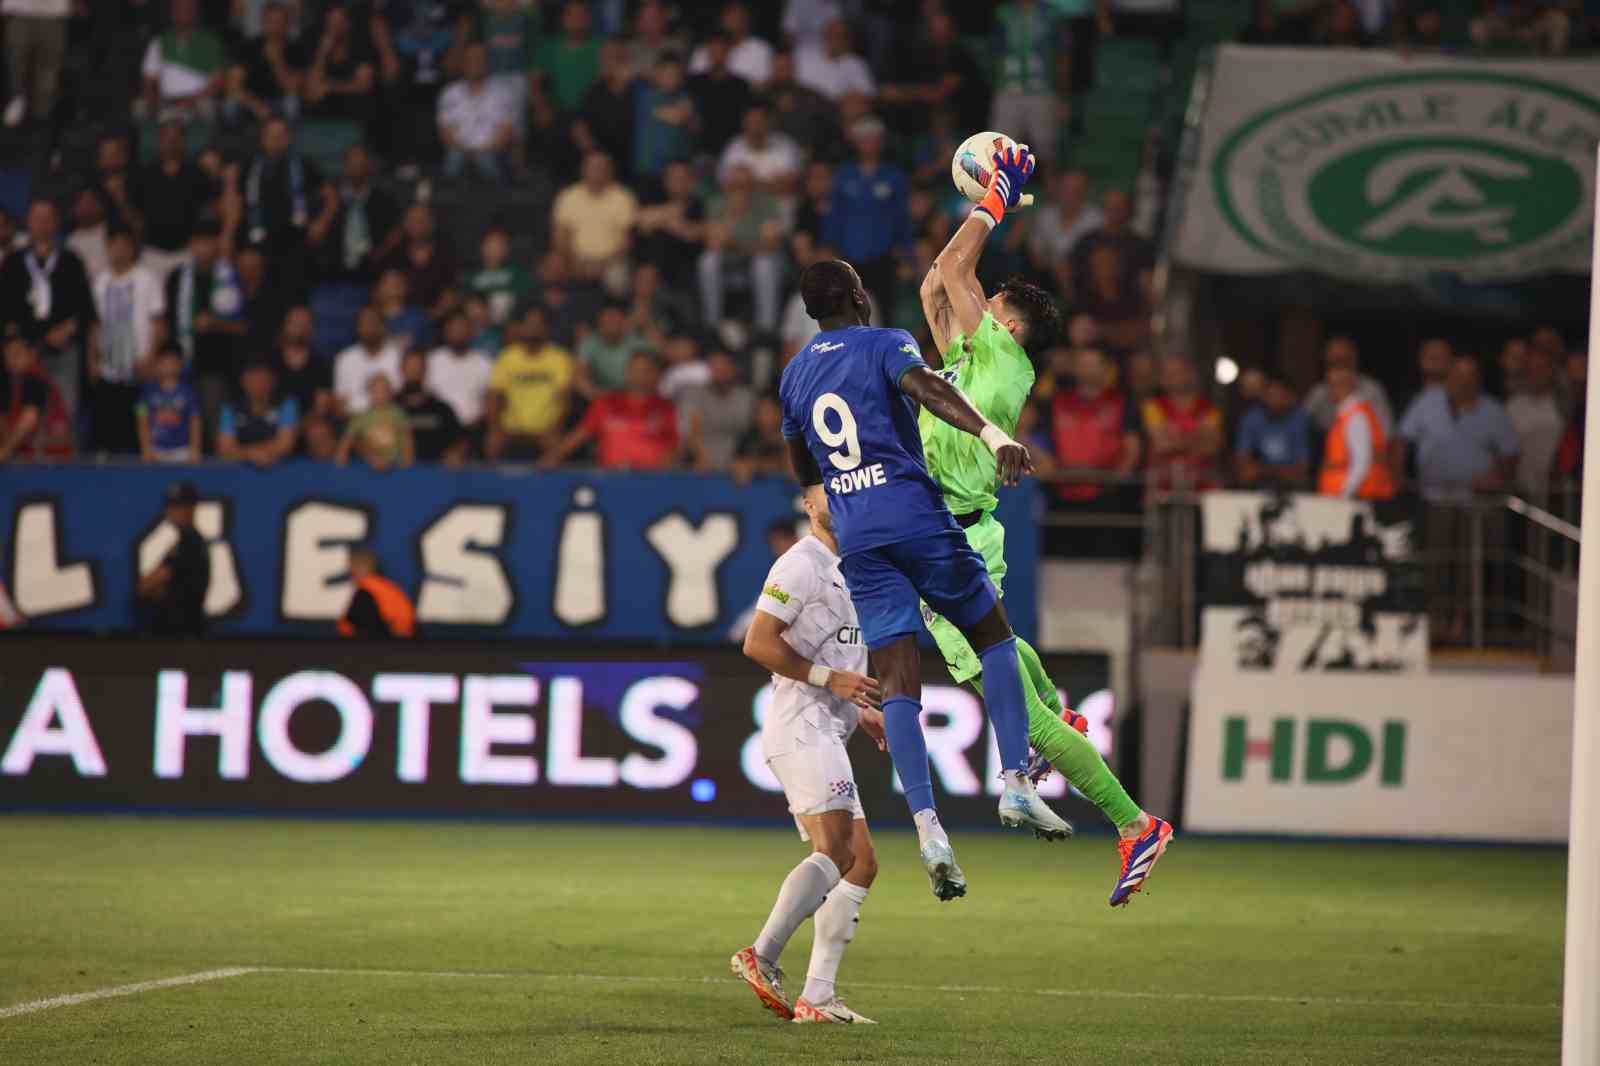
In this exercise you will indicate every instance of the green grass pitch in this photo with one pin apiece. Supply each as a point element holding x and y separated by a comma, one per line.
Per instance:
<point>558,943</point>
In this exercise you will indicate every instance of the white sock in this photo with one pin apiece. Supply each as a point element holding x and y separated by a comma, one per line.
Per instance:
<point>835,927</point>
<point>803,891</point>
<point>928,827</point>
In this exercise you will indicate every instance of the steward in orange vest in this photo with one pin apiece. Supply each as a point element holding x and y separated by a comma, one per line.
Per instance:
<point>379,608</point>
<point>1355,461</point>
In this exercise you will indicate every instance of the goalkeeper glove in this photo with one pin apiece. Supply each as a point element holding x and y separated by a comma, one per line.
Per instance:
<point>1012,169</point>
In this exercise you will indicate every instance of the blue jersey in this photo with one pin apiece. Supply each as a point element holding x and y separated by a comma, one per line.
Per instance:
<point>842,394</point>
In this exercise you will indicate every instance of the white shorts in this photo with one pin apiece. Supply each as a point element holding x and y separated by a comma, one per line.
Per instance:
<point>817,778</point>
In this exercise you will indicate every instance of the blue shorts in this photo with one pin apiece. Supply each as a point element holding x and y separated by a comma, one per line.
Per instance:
<point>941,568</point>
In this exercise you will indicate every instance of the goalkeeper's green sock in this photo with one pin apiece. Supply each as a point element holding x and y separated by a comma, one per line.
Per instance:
<point>1068,750</point>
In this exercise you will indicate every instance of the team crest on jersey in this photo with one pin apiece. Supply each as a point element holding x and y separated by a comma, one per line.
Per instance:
<point>776,593</point>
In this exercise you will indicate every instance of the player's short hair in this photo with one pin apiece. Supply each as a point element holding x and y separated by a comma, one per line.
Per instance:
<point>827,288</point>
<point>1041,316</point>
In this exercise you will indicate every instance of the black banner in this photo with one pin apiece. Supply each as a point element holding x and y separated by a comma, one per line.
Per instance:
<point>430,729</point>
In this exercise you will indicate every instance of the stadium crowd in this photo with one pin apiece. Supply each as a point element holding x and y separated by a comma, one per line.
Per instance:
<point>201,283</point>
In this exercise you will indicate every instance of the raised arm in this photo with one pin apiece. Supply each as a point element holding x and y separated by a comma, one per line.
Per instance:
<point>947,404</point>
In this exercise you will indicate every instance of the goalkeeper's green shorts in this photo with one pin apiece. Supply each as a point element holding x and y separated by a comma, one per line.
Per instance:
<point>988,539</point>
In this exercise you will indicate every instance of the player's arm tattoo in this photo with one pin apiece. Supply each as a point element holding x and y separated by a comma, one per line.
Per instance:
<point>804,466</point>
<point>957,266</point>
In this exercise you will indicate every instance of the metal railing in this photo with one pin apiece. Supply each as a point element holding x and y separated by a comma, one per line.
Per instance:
<point>1500,570</point>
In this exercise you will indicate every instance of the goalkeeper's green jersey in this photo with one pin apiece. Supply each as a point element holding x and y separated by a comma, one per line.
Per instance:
<point>996,376</point>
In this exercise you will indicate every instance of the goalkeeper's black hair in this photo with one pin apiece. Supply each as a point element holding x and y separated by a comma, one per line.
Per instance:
<point>1039,312</point>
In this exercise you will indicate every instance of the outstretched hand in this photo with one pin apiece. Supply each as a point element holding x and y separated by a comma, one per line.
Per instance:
<point>1012,461</point>
<point>1013,168</point>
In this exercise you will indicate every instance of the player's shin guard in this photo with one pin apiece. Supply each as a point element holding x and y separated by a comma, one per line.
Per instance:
<point>803,891</point>
<point>835,924</point>
<point>1008,708</point>
<point>902,727</point>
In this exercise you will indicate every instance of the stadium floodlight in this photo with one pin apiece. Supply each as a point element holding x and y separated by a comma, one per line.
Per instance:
<point>1580,1014</point>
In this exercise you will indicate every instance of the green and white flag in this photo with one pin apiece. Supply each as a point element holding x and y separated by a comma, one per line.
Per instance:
<point>1373,167</point>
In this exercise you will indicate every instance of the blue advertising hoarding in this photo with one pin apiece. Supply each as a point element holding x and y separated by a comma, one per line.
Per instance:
<point>504,552</point>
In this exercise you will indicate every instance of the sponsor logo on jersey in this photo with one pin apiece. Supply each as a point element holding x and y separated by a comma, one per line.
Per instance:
<point>848,635</point>
<point>776,593</point>
<point>855,480</point>
<point>827,346</point>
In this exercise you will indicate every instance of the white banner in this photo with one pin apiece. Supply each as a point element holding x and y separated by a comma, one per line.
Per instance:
<point>1377,168</point>
<point>1297,584</point>
<point>1465,756</point>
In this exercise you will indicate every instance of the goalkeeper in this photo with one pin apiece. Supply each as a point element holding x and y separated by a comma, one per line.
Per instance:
<point>979,347</point>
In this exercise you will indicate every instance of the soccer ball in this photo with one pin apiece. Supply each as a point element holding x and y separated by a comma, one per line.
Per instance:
<point>973,164</point>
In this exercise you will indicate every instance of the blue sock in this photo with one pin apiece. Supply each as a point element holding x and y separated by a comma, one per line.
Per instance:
<point>1008,709</point>
<point>902,727</point>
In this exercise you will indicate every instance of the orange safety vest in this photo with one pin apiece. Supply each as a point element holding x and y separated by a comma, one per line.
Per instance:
<point>1378,484</point>
<point>394,607</point>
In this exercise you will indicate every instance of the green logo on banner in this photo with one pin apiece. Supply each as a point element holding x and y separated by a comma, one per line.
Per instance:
<point>1335,751</point>
<point>1393,178</point>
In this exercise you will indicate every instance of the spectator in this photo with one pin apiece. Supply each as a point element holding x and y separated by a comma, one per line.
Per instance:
<point>607,350</point>
<point>342,82</point>
<point>302,376</point>
<point>762,451</point>
<point>205,315</point>
<point>185,67</point>
<point>1545,24</point>
<point>1535,414</point>
<point>380,435</point>
<point>774,161</point>
<point>379,609</point>
<point>1055,230</point>
<point>870,218</point>
<point>1185,429</point>
<point>570,62</point>
<point>652,37</point>
<point>1093,426</point>
<point>430,270</point>
<point>593,221</point>
<point>320,439</point>
<point>175,591</point>
<point>1032,76</point>
<point>372,355</point>
<point>260,429</point>
<point>800,113</point>
<point>435,430</point>
<point>1355,456</point>
<point>673,232</point>
<point>174,193</point>
<point>169,413</point>
<point>89,231</point>
<point>426,38</point>
<point>530,391</point>
<point>811,217</point>
<point>36,43</point>
<point>935,73</point>
<point>459,374</point>
<point>718,415</point>
<point>806,22</point>
<point>744,244</point>
<point>1116,301</point>
<point>264,300</point>
<point>280,188</point>
<point>1340,353</point>
<point>498,280</point>
<point>405,324</point>
<point>1274,446</point>
<point>833,69</point>
<point>604,122</point>
<point>720,97</point>
<point>1138,258</point>
<point>655,310</point>
<point>664,123</point>
<point>685,370</point>
<point>347,242</point>
<point>115,181</point>
<point>45,293</point>
<point>1433,362</point>
<point>631,429</point>
<point>477,122</point>
<point>132,327</point>
<point>36,424</point>
<point>1513,364</point>
<point>510,31</point>
<point>270,77</point>
<point>1462,440</point>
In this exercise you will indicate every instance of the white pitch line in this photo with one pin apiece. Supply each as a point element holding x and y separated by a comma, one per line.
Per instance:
<point>123,990</point>
<point>994,990</point>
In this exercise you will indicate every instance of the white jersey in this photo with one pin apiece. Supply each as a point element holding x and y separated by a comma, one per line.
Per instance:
<point>806,590</point>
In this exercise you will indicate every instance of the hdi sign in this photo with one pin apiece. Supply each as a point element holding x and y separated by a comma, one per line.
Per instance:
<point>1379,755</point>
<point>1335,750</point>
